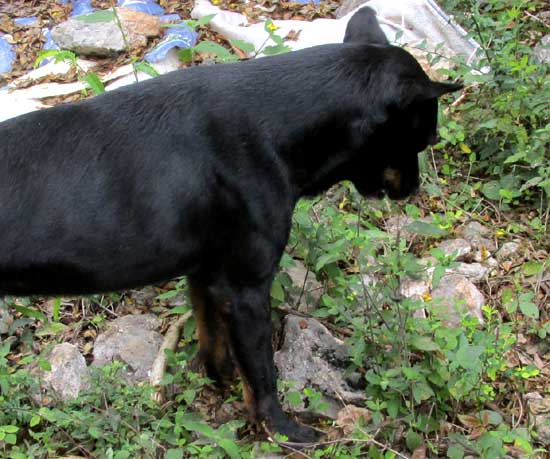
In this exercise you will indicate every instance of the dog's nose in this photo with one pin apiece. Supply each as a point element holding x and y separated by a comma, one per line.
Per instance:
<point>433,139</point>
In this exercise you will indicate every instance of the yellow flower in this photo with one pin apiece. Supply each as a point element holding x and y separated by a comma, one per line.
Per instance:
<point>272,27</point>
<point>215,2</point>
<point>426,297</point>
<point>500,233</point>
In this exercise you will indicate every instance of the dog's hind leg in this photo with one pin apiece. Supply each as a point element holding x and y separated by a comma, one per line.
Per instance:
<point>214,347</point>
<point>247,315</point>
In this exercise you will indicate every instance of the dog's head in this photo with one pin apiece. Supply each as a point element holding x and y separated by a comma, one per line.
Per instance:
<point>400,114</point>
<point>410,126</point>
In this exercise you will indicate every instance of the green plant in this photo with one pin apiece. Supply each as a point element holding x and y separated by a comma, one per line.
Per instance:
<point>504,124</point>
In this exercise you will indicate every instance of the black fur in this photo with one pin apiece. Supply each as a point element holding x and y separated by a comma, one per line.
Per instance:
<point>197,172</point>
<point>363,27</point>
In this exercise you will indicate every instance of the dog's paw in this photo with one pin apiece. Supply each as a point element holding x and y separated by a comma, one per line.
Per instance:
<point>298,435</point>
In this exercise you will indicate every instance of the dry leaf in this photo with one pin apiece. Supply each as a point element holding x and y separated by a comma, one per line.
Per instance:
<point>419,453</point>
<point>349,417</point>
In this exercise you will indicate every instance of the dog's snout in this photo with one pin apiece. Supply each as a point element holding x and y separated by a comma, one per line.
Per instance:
<point>433,139</point>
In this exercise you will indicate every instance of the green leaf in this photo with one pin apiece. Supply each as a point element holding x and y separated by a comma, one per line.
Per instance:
<point>35,420</point>
<point>94,432</point>
<point>146,68</point>
<point>93,81</point>
<point>455,452</point>
<point>243,45</point>
<point>205,20</point>
<point>425,229</point>
<point>210,47</point>
<point>422,392</point>
<point>279,49</point>
<point>200,428</point>
<point>11,439</point>
<point>468,356</point>
<point>167,295</point>
<point>180,310</point>
<point>186,55</point>
<point>491,190</point>
<point>97,16</point>
<point>527,307</point>
<point>326,259</point>
<point>294,398</point>
<point>28,312</point>
<point>9,428</point>
<point>424,343</point>
<point>413,440</point>
<point>56,308</point>
<point>58,55</point>
<point>230,447</point>
<point>277,291</point>
<point>174,454</point>
<point>531,268</point>
<point>51,329</point>
<point>44,365</point>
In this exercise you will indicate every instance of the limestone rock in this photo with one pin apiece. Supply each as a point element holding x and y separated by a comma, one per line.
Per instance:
<point>105,38</point>
<point>133,340</point>
<point>68,375</point>
<point>459,246</point>
<point>542,50</point>
<point>458,295</point>
<point>312,357</point>
<point>306,290</point>
<point>473,271</point>
<point>508,250</point>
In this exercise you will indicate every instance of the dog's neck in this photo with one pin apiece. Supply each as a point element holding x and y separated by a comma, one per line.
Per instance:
<point>318,155</point>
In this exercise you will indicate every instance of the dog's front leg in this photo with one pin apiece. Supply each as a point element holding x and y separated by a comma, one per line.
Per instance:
<point>247,316</point>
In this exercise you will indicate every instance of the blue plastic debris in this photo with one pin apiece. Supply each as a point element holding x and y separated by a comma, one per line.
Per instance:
<point>182,36</point>
<point>7,54</point>
<point>81,7</point>
<point>28,21</point>
<point>144,6</point>
<point>49,43</point>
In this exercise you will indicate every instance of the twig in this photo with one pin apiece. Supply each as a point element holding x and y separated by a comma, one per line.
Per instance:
<point>159,365</point>
<point>532,16</point>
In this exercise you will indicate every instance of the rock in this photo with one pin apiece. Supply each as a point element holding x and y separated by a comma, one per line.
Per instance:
<point>540,419</point>
<point>458,295</point>
<point>474,232</point>
<point>144,297</point>
<point>459,246</point>
<point>473,271</point>
<point>348,6</point>
<point>395,225</point>
<point>105,38</point>
<point>307,295</point>
<point>6,319</point>
<point>68,375</point>
<point>416,289</point>
<point>473,229</point>
<point>312,357</point>
<point>133,340</point>
<point>542,50</point>
<point>508,250</point>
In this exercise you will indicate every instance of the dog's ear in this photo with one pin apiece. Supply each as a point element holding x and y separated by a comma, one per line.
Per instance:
<point>434,89</point>
<point>363,28</point>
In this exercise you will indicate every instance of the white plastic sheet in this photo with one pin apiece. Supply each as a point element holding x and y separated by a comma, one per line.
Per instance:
<point>403,21</point>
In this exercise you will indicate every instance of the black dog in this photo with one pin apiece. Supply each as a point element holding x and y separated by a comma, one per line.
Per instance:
<point>197,172</point>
